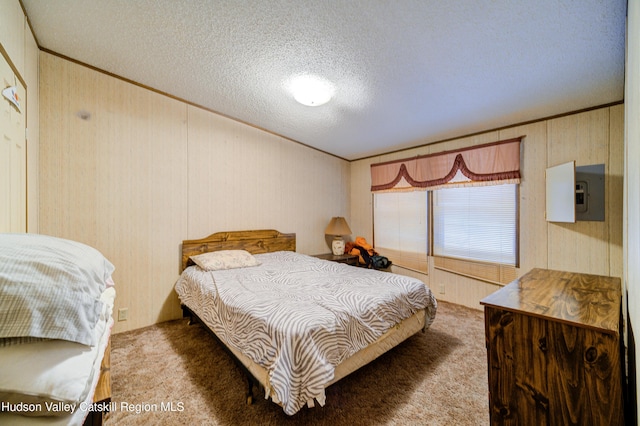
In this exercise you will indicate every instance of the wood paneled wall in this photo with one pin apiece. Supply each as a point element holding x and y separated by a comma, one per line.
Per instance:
<point>133,173</point>
<point>12,33</point>
<point>592,137</point>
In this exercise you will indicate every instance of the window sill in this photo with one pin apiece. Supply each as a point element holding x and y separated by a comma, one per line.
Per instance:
<point>493,273</point>
<point>415,262</point>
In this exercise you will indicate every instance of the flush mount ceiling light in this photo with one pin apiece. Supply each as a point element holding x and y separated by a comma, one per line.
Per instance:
<point>311,90</point>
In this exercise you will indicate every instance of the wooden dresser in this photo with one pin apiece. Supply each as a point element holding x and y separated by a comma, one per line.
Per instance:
<point>554,350</point>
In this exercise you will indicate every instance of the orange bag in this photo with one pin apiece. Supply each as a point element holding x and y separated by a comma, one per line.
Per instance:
<point>361,242</point>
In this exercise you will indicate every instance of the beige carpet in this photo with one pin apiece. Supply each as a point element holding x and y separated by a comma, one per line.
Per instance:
<point>173,373</point>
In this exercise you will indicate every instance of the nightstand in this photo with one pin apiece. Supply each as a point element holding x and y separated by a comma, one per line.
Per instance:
<point>349,259</point>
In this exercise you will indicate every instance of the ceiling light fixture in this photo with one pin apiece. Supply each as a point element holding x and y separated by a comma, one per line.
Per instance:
<point>311,90</point>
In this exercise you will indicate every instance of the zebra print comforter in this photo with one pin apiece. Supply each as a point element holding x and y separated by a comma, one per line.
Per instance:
<point>299,316</point>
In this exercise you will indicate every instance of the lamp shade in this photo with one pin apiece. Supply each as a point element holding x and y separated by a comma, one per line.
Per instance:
<point>338,226</point>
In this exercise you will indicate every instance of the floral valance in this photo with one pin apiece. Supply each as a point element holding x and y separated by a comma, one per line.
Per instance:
<point>493,163</point>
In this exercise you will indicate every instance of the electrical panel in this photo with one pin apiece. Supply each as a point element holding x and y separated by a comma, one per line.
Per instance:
<point>590,192</point>
<point>575,193</point>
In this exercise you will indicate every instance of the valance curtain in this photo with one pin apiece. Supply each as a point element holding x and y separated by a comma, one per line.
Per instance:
<point>493,163</point>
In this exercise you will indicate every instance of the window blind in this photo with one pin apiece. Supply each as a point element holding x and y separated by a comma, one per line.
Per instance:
<point>477,223</point>
<point>400,228</point>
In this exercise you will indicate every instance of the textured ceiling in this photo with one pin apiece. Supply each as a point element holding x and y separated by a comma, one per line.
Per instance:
<point>405,72</point>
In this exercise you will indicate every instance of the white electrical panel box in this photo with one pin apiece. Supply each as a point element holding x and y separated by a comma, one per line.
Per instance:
<point>575,193</point>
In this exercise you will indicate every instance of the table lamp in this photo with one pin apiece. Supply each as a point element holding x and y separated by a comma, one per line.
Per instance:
<point>338,228</point>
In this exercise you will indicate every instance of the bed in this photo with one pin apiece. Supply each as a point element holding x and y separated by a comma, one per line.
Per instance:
<point>296,323</point>
<point>56,304</point>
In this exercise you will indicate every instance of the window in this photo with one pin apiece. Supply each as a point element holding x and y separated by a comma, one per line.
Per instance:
<point>400,224</point>
<point>472,202</point>
<point>476,223</point>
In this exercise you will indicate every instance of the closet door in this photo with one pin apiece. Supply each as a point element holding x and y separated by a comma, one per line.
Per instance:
<point>13,155</point>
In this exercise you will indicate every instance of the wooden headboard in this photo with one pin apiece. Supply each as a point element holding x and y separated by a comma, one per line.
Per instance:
<point>255,242</point>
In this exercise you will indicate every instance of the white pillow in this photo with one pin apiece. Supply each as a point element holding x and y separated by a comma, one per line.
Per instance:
<point>225,259</point>
<point>50,287</point>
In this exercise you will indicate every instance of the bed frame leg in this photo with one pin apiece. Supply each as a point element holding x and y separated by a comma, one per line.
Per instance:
<point>250,391</point>
<point>186,313</point>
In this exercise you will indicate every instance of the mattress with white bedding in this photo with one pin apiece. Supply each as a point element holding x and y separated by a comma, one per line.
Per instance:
<point>56,305</point>
<point>56,374</point>
<point>299,316</point>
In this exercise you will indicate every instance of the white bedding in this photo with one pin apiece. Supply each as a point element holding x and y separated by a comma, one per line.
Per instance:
<point>56,303</point>
<point>50,288</point>
<point>299,316</point>
<point>51,373</point>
